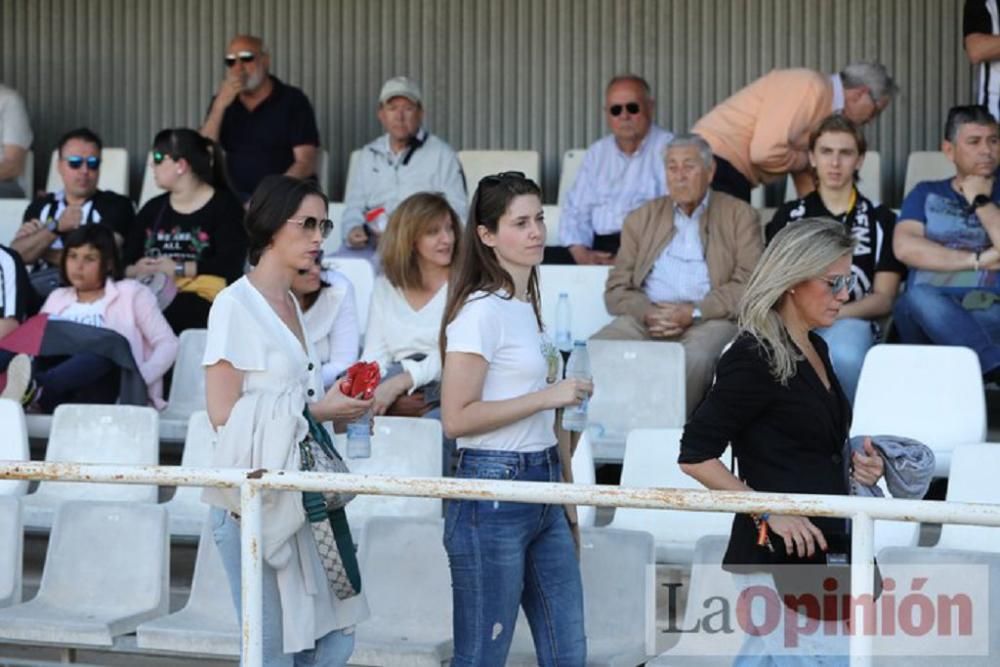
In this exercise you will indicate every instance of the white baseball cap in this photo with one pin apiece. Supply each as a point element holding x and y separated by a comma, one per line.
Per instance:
<point>400,86</point>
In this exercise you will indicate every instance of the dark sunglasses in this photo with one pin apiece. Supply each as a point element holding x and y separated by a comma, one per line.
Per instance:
<point>631,107</point>
<point>495,179</point>
<point>242,56</point>
<point>159,157</point>
<point>75,162</point>
<point>842,282</point>
<point>309,224</point>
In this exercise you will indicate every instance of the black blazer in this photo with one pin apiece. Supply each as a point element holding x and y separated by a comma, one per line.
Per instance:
<point>787,439</point>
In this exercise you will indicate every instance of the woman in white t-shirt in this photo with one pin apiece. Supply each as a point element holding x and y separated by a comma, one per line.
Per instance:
<point>265,398</point>
<point>499,394</point>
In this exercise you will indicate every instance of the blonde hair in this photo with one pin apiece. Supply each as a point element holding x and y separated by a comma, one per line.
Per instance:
<point>799,252</point>
<point>413,218</point>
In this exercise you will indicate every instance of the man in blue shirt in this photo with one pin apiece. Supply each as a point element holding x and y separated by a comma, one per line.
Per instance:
<point>948,235</point>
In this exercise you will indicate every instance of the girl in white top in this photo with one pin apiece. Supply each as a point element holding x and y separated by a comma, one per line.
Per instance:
<point>404,323</point>
<point>330,316</point>
<point>261,368</point>
<point>499,394</point>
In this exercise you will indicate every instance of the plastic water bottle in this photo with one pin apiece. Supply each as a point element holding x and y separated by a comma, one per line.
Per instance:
<point>359,437</point>
<point>564,340</point>
<point>578,366</point>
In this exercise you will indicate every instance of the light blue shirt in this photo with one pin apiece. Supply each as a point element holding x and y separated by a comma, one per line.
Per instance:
<point>680,273</point>
<point>610,185</point>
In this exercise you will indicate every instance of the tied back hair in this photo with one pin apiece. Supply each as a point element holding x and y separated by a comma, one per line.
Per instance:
<point>799,252</point>
<point>476,268</point>
<point>206,159</point>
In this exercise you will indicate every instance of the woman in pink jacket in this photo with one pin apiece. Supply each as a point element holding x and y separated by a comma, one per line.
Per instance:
<point>90,265</point>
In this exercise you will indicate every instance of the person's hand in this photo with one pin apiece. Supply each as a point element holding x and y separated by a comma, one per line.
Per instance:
<point>584,255</point>
<point>989,259</point>
<point>387,392</point>
<point>229,88</point>
<point>357,237</point>
<point>343,408</point>
<point>571,391</point>
<point>678,314</point>
<point>70,218</point>
<point>147,266</point>
<point>974,185</point>
<point>868,467</point>
<point>27,228</point>
<point>662,320</point>
<point>800,535</point>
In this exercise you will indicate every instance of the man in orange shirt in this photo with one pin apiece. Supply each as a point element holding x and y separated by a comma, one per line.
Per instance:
<point>761,133</point>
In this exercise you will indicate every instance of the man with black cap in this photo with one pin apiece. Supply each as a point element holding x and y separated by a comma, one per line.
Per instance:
<point>405,160</point>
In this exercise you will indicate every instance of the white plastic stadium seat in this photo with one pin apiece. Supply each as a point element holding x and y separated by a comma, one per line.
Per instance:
<point>931,393</point>
<point>11,215</point>
<point>114,171</point>
<point>11,548</point>
<point>477,164</point>
<point>323,170</point>
<point>651,461</point>
<point>13,444</point>
<point>120,434</point>
<point>187,390</point>
<point>637,384</point>
<point>572,159</point>
<point>27,178</point>
<point>757,197</point>
<point>926,166</point>
<point>869,183</point>
<point>362,276</point>
<point>186,511</point>
<point>207,625</point>
<point>551,224</point>
<point>584,473</point>
<point>149,187</point>
<point>336,238</point>
<point>975,470</point>
<point>352,164</point>
<point>107,570</point>
<point>585,287</point>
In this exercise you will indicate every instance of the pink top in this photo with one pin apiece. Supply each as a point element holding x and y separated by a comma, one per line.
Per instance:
<point>132,311</point>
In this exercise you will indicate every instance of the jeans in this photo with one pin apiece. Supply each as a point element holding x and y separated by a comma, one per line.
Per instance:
<point>925,315</point>
<point>849,340</point>
<point>331,650</point>
<point>504,555</point>
<point>83,377</point>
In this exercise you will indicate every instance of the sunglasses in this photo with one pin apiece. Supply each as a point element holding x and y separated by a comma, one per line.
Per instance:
<point>160,156</point>
<point>75,162</point>
<point>310,224</point>
<point>243,56</point>
<point>840,283</point>
<point>503,176</point>
<point>631,107</point>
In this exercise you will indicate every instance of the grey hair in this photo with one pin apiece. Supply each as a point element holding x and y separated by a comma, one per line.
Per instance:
<point>873,75</point>
<point>688,139</point>
<point>799,252</point>
<point>630,78</point>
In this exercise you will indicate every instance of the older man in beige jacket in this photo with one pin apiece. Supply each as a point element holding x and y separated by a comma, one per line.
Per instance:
<point>683,265</point>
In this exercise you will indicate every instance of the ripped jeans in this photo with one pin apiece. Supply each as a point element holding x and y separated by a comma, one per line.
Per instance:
<point>507,555</point>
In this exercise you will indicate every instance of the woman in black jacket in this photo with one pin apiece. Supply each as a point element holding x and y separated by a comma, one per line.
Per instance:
<point>777,400</point>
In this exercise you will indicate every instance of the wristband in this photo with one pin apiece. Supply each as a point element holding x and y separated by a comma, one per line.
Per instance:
<point>179,270</point>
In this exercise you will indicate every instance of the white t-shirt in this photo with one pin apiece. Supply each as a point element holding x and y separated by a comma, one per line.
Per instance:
<point>505,333</point>
<point>85,313</point>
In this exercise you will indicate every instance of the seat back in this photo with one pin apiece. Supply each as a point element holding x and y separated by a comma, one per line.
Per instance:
<point>975,470</point>
<point>551,224</point>
<point>13,444</point>
<point>400,446</point>
<point>120,434</point>
<point>479,163</point>
<point>114,171</point>
<point>333,242</point>
<point>187,511</point>
<point>362,276</point>
<point>187,389</point>
<point>352,164</point>
<point>11,548</point>
<point>926,166</point>
<point>149,187</point>
<point>27,178</point>
<point>584,473</point>
<point>11,215</point>
<point>931,393</point>
<point>585,287</point>
<point>108,556</point>
<point>572,159</point>
<point>323,170</point>
<point>869,179</point>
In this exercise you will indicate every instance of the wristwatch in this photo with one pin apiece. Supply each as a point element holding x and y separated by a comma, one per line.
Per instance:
<point>696,314</point>
<point>980,200</point>
<point>179,270</point>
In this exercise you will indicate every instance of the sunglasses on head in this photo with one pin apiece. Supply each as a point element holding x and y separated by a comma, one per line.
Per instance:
<point>837,284</point>
<point>242,56</point>
<point>631,107</point>
<point>310,224</point>
<point>75,162</point>
<point>495,179</point>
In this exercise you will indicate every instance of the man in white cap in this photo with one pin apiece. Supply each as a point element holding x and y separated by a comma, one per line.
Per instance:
<point>405,160</point>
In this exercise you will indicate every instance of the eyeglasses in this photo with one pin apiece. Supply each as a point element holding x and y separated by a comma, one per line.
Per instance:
<point>243,56</point>
<point>160,156</point>
<point>837,284</point>
<point>310,224</point>
<point>75,162</point>
<point>631,107</point>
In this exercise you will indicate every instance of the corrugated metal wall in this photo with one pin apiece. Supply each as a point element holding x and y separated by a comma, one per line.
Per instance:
<point>523,74</point>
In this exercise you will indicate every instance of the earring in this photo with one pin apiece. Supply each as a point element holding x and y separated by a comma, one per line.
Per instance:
<point>180,171</point>
<point>791,291</point>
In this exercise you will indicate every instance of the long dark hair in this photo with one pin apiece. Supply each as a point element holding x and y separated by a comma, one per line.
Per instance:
<point>207,161</point>
<point>275,200</point>
<point>477,268</point>
<point>103,240</point>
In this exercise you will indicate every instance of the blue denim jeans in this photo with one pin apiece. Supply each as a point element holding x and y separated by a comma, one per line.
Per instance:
<point>331,650</point>
<point>849,340</point>
<point>924,315</point>
<point>505,555</point>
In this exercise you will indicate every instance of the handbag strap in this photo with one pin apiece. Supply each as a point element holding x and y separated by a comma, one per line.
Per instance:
<point>320,435</point>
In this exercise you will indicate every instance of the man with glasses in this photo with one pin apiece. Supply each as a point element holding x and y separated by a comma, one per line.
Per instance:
<point>949,235</point>
<point>15,140</point>
<point>619,173</point>
<point>264,125</point>
<point>761,133</point>
<point>39,239</point>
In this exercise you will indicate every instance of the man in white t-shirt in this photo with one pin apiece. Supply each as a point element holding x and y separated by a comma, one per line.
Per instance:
<point>15,140</point>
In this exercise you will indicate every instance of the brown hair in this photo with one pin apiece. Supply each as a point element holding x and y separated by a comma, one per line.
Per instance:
<point>477,268</point>
<point>413,218</point>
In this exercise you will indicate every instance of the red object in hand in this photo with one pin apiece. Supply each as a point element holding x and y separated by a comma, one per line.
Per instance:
<point>361,380</point>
